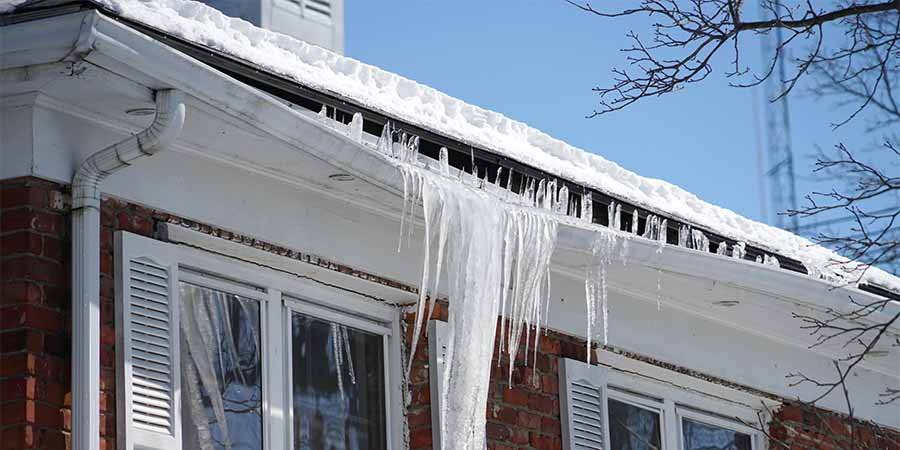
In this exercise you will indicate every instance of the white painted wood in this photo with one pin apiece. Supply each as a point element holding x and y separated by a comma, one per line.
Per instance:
<point>582,405</point>
<point>437,352</point>
<point>149,374</point>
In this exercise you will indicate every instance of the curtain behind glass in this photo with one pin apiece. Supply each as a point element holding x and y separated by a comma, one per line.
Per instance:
<point>221,370</point>
<point>700,436</point>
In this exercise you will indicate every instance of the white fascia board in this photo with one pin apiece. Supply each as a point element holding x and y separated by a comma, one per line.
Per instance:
<point>747,275</point>
<point>54,40</point>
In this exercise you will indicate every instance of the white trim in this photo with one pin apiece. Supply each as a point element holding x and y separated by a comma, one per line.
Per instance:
<point>346,317</point>
<point>676,396</point>
<point>278,293</point>
<point>756,437</point>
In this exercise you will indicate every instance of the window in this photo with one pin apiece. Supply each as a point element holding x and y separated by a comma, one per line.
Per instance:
<point>221,369</point>
<point>337,385</point>
<point>633,427</point>
<point>643,413</point>
<point>222,354</point>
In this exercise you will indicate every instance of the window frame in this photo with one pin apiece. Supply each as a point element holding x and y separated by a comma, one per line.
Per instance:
<point>275,289</point>
<point>308,308</point>
<point>675,403</point>
<point>639,401</point>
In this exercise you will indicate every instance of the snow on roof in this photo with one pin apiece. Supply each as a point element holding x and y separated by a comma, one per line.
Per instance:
<point>415,103</point>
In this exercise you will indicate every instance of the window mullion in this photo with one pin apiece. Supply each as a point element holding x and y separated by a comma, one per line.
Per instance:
<point>275,370</point>
<point>672,426</point>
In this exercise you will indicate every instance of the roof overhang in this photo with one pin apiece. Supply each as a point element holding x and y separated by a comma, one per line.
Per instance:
<point>131,64</point>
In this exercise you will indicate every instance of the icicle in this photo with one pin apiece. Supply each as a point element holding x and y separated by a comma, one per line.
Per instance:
<point>587,207</point>
<point>739,250</point>
<point>759,259</point>
<point>562,202</point>
<point>617,222</point>
<point>497,176</point>
<point>345,338</point>
<point>610,214</point>
<point>498,258</point>
<point>356,128</point>
<point>323,114</point>
<point>596,286</point>
<point>634,221</point>
<point>444,161</point>
<point>684,233</point>
<point>770,260</point>
<point>700,241</point>
<point>337,349</point>
<point>651,227</point>
<point>722,249</point>
<point>658,290</point>
<point>385,141</point>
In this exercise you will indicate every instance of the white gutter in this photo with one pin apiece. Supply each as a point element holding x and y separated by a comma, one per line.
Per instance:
<point>86,258</point>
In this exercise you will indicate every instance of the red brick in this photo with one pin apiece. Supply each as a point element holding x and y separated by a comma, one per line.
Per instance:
<point>13,292</point>
<point>33,268</point>
<point>420,439</point>
<point>23,195</point>
<point>496,431</point>
<point>135,223</point>
<point>542,442</point>
<point>542,403</point>
<point>504,414</point>
<point>48,416</point>
<point>17,437</point>
<point>528,420</point>
<point>515,397</point>
<point>550,426</point>
<point>17,389</point>
<point>519,436</point>
<point>21,242</point>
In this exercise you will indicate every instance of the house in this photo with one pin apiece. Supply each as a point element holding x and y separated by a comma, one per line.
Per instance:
<point>200,229</point>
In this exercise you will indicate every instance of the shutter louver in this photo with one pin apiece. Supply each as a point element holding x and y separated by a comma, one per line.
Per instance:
<point>582,405</point>
<point>147,320</point>
<point>437,350</point>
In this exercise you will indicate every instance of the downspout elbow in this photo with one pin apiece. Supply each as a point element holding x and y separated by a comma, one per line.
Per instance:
<point>163,131</point>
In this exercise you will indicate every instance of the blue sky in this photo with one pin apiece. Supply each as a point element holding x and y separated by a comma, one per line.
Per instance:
<point>536,61</point>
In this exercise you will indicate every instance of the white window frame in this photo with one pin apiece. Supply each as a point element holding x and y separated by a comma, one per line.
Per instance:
<point>674,403</point>
<point>392,375</point>
<point>275,290</point>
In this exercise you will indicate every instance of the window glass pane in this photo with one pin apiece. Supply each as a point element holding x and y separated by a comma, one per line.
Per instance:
<point>633,428</point>
<point>338,386</point>
<point>700,436</point>
<point>221,370</point>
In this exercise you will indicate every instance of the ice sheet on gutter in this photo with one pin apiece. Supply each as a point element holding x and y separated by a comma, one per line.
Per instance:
<point>428,108</point>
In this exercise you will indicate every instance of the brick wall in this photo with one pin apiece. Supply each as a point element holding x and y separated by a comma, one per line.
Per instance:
<point>34,317</point>
<point>35,313</point>
<point>521,415</point>
<point>801,427</point>
<point>35,347</point>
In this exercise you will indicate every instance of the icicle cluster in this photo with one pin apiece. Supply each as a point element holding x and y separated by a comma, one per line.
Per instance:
<point>595,284</point>
<point>496,257</point>
<point>656,229</point>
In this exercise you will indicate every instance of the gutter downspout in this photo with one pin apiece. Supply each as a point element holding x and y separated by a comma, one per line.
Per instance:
<point>86,183</point>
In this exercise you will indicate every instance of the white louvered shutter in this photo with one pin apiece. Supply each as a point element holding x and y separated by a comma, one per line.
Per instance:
<point>582,390</point>
<point>148,373</point>
<point>437,351</point>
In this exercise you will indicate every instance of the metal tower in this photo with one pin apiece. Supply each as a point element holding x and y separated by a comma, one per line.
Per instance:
<point>779,170</point>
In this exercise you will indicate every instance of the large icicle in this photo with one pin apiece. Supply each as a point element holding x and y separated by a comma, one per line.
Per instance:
<point>497,260</point>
